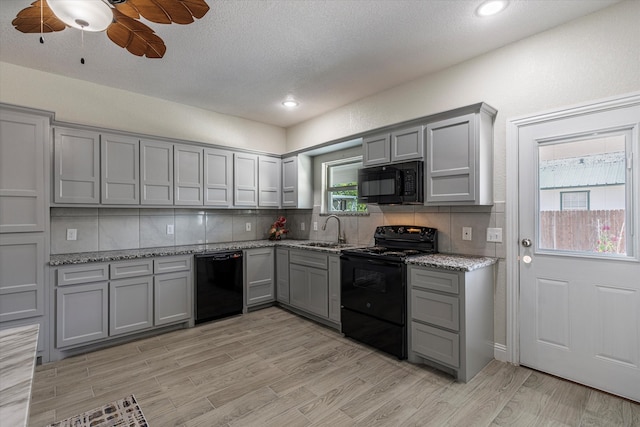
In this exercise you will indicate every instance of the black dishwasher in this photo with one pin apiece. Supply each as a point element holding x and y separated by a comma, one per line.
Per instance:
<point>218,285</point>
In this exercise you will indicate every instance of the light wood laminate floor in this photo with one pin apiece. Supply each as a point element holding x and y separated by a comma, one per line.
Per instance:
<point>273,368</point>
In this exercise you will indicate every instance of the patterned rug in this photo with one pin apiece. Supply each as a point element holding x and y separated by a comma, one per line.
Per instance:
<point>121,413</point>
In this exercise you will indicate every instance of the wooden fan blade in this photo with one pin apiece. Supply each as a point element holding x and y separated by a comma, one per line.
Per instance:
<point>170,11</point>
<point>28,19</point>
<point>127,9</point>
<point>136,37</point>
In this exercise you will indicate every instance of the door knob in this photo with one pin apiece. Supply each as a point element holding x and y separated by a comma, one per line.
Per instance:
<point>526,243</point>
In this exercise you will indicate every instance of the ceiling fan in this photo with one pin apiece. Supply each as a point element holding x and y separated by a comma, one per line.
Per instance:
<point>118,17</point>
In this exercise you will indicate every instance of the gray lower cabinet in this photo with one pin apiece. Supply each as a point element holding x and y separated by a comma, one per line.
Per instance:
<point>259,276</point>
<point>451,319</point>
<point>309,282</point>
<point>282,275</point>
<point>334,288</point>
<point>95,301</point>
<point>130,305</point>
<point>82,313</point>
<point>172,298</point>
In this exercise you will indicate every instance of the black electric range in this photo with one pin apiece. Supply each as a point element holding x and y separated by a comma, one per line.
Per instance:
<point>373,286</point>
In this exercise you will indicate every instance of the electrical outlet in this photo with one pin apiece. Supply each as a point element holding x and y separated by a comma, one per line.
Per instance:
<point>169,228</point>
<point>72,234</point>
<point>494,235</point>
<point>302,226</point>
<point>247,226</point>
<point>466,233</point>
<point>315,225</point>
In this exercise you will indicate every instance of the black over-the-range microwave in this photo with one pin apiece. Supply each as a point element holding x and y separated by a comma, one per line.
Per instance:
<point>400,183</point>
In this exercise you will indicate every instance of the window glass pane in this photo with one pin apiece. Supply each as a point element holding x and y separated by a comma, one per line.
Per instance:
<point>345,174</point>
<point>582,195</point>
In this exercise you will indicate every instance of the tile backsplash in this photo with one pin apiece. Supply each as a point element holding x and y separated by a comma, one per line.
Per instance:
<point>102,229</point>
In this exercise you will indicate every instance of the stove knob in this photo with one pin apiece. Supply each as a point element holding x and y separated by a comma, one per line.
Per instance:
<point>380,230</point>
<point>400,230</point>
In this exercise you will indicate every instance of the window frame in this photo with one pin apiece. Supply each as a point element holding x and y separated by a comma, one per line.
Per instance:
<point>327,190</point>
<point>588,200</point>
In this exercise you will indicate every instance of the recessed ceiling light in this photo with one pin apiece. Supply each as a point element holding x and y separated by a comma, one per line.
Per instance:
<point>491,7</point>
<point>290,103</point>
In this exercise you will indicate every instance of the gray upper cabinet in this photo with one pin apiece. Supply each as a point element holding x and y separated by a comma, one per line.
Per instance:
<point>22,164</point>
<point>407,144</point>
<point>188,175</point>
<point>245,180</point>
<point>218,177</point>
<point>459,159</point>
<point>156,173</point>
<point>297,178</point>
<point>119,170</point>
<point>76,169</point>
<point>269,185</point>
<point>376,150</point>
<point>398,146</point>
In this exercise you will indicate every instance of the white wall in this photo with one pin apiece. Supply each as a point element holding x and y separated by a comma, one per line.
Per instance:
<point>81,102</point>
<point>593,57</point>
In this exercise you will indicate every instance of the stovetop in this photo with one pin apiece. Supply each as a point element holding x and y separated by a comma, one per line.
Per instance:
<point>396,242</point>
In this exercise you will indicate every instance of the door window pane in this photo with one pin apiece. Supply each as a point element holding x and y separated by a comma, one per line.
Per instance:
<point>583,195</point>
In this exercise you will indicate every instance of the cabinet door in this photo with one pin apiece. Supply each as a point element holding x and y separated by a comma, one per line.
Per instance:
<point>334,288</point>
<point>130,305</point>
<point>450,174</point>
<point>376,150</point>
<point>21,276</point>
<point>82,313</point>
<point>119,166</point>
<point>218,177</point>
<point>23,139</point>
<point>245,179</point>
<point>290,182</point>
<point>76,169</point>
<point>189,176</point>
<point>269,182</point>
<point>259,269</point>
<point>282,275</point>
<point>172,298</point>
<point>298,286</point>
<point>156,173</point>
<point>318,283</point>
<point>407,144</point>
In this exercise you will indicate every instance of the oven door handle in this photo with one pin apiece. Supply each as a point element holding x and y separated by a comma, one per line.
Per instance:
<point>371,261</point>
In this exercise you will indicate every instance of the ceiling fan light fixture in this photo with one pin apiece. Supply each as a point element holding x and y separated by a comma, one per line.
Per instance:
<point>87,15</point>
<point>491,7</point>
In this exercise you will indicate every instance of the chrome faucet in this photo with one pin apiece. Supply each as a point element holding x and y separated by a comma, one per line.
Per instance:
<point>341,238</point>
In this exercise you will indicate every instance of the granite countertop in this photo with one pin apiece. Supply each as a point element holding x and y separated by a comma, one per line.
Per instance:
<point>451,261</point>
<point>125,254</point>
<point>18,347</point>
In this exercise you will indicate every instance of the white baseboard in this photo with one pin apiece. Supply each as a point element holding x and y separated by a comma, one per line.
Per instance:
<point>500,352</point>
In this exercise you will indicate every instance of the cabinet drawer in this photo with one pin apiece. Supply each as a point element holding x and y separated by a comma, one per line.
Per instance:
<point>171,264</point>
<point>433,343</point>
<point>85,273</point>
<point>440,310</point>
<point>122,270</point>
<point>428,279</point>
<point>309,258</point>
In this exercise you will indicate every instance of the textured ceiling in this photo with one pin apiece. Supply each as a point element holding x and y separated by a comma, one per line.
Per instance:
<point>244,57</point>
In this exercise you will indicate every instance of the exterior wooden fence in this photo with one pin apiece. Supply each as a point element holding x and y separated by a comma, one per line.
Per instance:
<point>588,231</point>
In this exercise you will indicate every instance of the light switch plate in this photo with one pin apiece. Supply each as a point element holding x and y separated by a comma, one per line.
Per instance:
<point>247,226</point>
<point>169,228</point>
<point>72,234</point>
<point>302,226</point>
<point>494,235</point>
<point>315,225</point>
